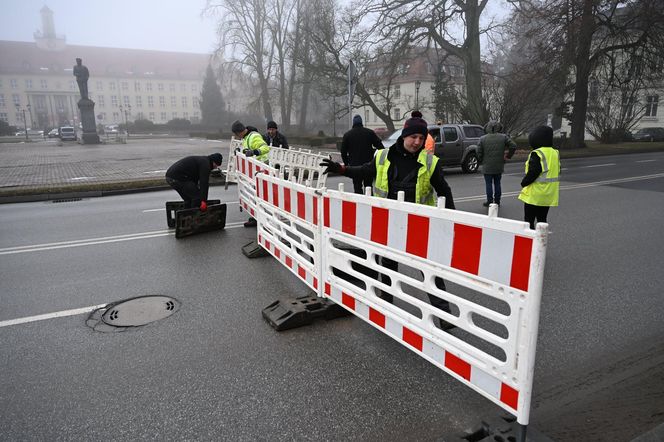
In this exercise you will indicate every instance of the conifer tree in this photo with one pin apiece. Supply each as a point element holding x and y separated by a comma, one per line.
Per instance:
<point>212,102</point>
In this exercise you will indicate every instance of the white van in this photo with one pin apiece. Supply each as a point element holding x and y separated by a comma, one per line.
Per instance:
<point>67,133</point>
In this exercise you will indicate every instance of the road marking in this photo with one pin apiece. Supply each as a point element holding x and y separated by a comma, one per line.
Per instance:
<point>161,210</point>
<point>61,314</point>
<point>598,165</point>
<point>82,178</point>
<point>156,171</point>
<point>96,241</point>
<point>646,161</point>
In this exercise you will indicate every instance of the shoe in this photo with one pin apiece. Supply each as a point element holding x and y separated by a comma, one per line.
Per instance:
<point>251,222</point>
<point>487,204</point>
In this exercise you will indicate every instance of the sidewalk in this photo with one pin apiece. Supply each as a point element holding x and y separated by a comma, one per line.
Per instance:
<point>43,170</point>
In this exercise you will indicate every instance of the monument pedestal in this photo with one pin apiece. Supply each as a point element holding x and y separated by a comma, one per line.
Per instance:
<point>87,108</point>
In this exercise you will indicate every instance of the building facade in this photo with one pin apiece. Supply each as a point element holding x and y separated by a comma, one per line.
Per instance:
<point>38,88</point>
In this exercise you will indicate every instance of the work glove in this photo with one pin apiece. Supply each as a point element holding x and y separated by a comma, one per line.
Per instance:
<point>251,152</point>
<point>203,206</point>
<point>332,166</point>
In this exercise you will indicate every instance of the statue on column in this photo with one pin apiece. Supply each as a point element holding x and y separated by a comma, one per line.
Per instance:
<point>82,74</point>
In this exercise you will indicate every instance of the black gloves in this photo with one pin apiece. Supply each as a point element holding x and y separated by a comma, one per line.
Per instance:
<point>251,152</point>
<point>332,166</point>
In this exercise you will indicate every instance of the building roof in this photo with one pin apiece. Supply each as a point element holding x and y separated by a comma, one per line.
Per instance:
<point>25,58</point>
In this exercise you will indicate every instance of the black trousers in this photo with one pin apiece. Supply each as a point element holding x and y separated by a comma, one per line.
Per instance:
<point>359,184</point>
<point>532,213</point>
<point>433,300</point>
<point>188,191</point>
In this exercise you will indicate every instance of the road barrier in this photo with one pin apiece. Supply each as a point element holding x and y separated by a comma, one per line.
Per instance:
<point>479,273</point>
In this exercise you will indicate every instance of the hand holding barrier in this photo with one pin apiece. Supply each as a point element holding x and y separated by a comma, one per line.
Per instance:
<point>480,273</point>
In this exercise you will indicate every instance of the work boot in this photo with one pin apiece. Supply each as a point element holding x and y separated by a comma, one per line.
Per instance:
<point>251,222</point>
<point>487,204</point>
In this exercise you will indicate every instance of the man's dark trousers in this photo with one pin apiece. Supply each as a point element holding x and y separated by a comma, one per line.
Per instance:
<point>188,190</point>
<point>359,184</point>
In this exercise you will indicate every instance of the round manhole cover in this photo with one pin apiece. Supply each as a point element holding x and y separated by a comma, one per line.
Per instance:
<point>139,311</point>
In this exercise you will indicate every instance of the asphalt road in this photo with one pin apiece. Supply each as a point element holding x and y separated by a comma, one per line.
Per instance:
<point>216,370</point>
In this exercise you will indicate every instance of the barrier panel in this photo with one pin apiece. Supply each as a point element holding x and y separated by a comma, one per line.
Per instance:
<point>481,274</point>
<point>231,162</point>
<point>488,270</point>
<point>246,169</point>
<point>301,164</point>
<point>288,226</point>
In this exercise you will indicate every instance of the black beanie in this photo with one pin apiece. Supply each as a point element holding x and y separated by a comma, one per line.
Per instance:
<point>357,121</point>
<point>416,113</point>
<point>271,125</point>
<point>237,127</point>
<point>541,136</point>
<point>414,125</point>
<point>216,158</point>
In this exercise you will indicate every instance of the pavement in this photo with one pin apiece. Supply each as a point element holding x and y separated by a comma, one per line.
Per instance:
<point>51,169</point>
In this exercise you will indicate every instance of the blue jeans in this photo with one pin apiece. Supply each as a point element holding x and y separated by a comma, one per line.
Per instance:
<point>493,190</point>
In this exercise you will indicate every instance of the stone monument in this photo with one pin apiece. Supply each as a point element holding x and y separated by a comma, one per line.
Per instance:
<point>85,105</point>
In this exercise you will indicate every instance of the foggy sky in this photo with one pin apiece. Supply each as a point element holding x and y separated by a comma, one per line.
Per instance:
<point>167,25</point>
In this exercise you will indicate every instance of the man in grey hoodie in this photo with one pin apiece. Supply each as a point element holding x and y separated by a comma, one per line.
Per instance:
<point>493,150</point>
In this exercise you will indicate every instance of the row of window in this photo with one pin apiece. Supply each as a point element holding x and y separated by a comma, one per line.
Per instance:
<point>118,118</point>
<point>39,102</point>
<point>100,85</point>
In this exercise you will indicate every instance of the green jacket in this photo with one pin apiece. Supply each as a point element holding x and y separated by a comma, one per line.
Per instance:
<point>491,149</point>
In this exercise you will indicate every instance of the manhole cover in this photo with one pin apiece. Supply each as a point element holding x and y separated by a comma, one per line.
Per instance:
<point>134,312</point>
<point>139,311</point>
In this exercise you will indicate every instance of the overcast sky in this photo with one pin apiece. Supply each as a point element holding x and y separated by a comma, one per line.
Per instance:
<point>167,25</point>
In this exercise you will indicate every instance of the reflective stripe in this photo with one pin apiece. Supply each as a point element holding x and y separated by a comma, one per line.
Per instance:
<point>547,180</point>
<point>383,155</point>
<point>545,166</point>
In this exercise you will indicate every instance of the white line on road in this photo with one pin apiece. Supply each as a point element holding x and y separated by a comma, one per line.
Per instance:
<point>645,161</point>
<point>598,165</point>
<point>61,314</point>
<point>96,241</point>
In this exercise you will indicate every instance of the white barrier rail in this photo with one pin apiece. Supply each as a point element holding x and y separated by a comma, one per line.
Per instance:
<point>481,273</point>
<point>231,162</point>
<point>301,164</point>
<point>246,170</point>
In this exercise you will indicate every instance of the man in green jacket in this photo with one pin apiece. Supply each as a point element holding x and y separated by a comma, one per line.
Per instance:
<point>493,150</point>
<point>253,144</point>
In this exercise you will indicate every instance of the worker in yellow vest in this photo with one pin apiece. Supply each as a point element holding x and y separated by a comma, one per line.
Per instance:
<point>541,185</point>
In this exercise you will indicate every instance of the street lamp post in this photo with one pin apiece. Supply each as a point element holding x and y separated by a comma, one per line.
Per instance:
<point>418,83</point>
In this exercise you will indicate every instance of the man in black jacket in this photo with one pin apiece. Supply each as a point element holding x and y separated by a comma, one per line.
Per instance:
<point>190,178</point>
<point>357,148</point>
<point>275,138</point>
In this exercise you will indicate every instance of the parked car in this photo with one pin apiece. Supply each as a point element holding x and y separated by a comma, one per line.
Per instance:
<point>649,134</point>
<point>456,144</point>
<point>111,129</point>
<point>54,133</point>
<point>67,133</point>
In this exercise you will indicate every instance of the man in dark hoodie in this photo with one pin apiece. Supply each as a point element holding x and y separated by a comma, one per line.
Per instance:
<point>190,178</point>
<point>541,185</point>
<point>493,150</point>
<point>357,148</point>
<point>406,167</point>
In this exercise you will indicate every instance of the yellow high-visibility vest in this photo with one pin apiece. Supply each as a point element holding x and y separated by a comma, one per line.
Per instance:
<point>255,141</point>
<point>424,192</point>
<point>545,189</point>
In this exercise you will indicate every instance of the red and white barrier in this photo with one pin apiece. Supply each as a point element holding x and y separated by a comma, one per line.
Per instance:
<point>338,243</point>
<point>246,170</point>
<point>301,164</point>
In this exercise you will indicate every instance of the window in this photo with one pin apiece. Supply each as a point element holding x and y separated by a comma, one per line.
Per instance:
<point>148,87</point>
<point>100,86</point>
<point>171,87</point>
<point>403,68</point>
<point>651,105</point>
<point>151,116</point>
<point>103,116</point>
<point>162,101</point>
<point>397,113</point>
<point>28,84</point>
<point>627,107</point>
<point>111,86</point>
<point>125,86</point>
<point>100,101</point>
<point>4,117</point>
<point>435,133</point>
<point>125,99</point>
<point>137,86</point>
<point>194,101</point>
<point>194,88</point>
<point>184,101</point>
<point>397,91</point>
<point>366,115</point>
<point>40,101</point>
<point>163,116</point>
<point>139,101</point>
<point>116,116</point>
<point>13,83</point>
<point>175,114</point>
<point>183,87</point>
<point>72,85</point>
<point>160,87</point>
<point>140,116</point>
<point>2,100</point>
<point>450,134</point>
<point>185,115</point>
<point>114,100</point>
<point>197,114</point>
<point>150,101</point>
<point>16,99</point>
<point>173,102</point>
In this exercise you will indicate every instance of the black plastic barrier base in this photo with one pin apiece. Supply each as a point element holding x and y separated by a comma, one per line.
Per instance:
<point>192,221</point>
<point>504,428</point>
<point>174,206</point>
<point>285,314</point>
<point>254,250</point>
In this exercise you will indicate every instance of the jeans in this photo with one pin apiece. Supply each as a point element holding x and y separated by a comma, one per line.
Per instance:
<point>493,190</point>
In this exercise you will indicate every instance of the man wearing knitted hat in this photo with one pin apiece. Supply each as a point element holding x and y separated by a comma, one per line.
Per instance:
<point>190,177</point>
<point>541,185</point>
<point>275,138</point>
<point>406,167</point>
<point>429,143</point>
<point>357,147</point>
